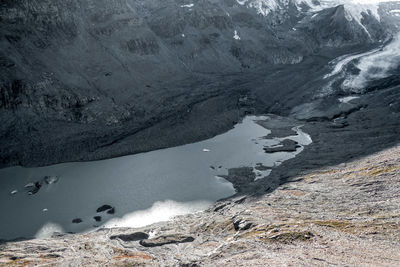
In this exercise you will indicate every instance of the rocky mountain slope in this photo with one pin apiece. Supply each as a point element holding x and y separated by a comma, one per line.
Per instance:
<point>84,80</point>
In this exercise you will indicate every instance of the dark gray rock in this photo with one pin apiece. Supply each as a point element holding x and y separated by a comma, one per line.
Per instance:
<point>287,145</point>
<point>111,211</point>
<point>33,188</point>
<point>77,220</point>
<point>242,225</point>
<point>240,177</point>
<point>131,237</point>
<point>261,167</point>
<point>104,208</point>
<point>166,240</point>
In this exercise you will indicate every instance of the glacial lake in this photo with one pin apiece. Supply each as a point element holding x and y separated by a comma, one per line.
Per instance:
<point>142,188</point>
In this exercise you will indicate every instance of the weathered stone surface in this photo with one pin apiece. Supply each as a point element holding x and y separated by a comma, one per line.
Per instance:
<point>111,211</point>
<point>77,220</point>
<point>137,236</point>
<point>240,177</point>
<point>104,208</point>
<point>286,145</point>
<point>166,240</point>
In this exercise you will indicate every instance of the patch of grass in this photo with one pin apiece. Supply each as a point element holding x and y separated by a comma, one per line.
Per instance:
<point>371,171</point>
<point>290,237</point>
<point>381,170</point>
<point>333,224</point>
<point>18,262</point>
<point>308,178</point>
<point>294,193</point>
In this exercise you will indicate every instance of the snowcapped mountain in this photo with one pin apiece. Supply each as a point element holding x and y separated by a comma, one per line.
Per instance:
<point>354,8</point>
<point>359,11</point>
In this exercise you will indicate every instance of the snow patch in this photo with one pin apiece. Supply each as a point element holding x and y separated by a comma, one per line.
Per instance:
<point>48,230</point>
<point>372,65</point>
<point>343,61</point>
<point>236,35</point>
<point>347,99</point>
<point>159,212</point>
<point>188,5</point>
<point>375,65</point>
<point>354,8</point>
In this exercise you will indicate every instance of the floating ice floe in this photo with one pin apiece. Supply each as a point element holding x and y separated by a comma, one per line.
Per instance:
<point>29,185</point>
<point>51,179</point>
<point>188,5</point>
<point>236,35</point>
<point>206,150</point>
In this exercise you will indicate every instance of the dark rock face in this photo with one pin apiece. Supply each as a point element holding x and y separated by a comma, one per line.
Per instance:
<point>33,188</point>
<point>240,177</point>
<point>111,211</point>
<point>105,77</point>
<point>286,145</point>
<point>242,225</point>
<point>131,237</point>
<point>77,220</point>
<point>166,240</point>
<point>104,208</point>
<point>331,28</point>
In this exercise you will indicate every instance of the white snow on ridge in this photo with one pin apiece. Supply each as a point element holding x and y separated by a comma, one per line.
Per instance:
<point>353,7</point>
<point>341,62</point>
<point>372,65</point>
<point>375,66</point>
<point>347,99</point>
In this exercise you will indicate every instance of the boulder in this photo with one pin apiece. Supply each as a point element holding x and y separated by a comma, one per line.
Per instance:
<point>166,240</point>
<point>137,236</point>
<point>104,208</point>
<point>33,188</point>
<point>77,220</point>
<point>286,145</point>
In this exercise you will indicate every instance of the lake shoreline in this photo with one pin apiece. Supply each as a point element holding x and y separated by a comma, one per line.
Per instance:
<point>202,172</point>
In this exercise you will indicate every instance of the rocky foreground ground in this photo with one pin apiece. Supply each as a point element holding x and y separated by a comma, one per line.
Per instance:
<point>346,215</point>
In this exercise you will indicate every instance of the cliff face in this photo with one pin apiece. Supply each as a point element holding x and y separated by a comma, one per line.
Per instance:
<point>92,73</point>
